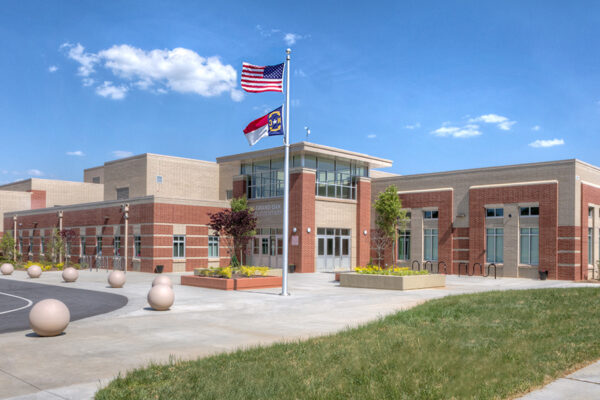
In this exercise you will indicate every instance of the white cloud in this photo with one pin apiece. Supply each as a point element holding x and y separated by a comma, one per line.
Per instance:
<point>413,126</point>
<point>300,73</point>
<point>107,89</point>
<point>547,143</point>
<point>295,103</point>
<point>466,131</point>
<point>35,172</point>
<point>180,70</point>
<point>536,128</point>
<point>52,68</point>
<point>372,136</point>
<point>77,153</point>
<point>121,153</point>
<point>291,38</point>
<point>502,122</point>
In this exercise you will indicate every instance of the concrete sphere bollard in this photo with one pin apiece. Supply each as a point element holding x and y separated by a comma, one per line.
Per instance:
<point>35,271</point>
<point>7,269</point>
<point>161,297</point>
<point>70,274</point>
<point>49,317</point>
<point>116,279</point>
<point>162,280</point>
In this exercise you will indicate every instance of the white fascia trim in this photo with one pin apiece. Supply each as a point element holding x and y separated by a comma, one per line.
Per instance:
<point>425,190</point>
<point>590,184</point>
<point>514,184</point>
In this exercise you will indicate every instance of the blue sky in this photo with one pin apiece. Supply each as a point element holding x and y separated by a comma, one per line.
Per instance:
<point>431,85</point>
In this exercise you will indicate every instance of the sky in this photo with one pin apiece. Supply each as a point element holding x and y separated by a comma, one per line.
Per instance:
<point>430,85</point>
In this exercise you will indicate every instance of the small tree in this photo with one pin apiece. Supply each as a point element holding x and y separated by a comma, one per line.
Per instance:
<point>237,224</point>
<point>390,215</point>
<point>7,245</point>
<point>56,245</point>
<point>380,241</point>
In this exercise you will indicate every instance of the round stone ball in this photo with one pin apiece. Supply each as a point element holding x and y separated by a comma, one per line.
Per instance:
<point>161,297</point>
<point>70,274</point>
<point>35,271</point>
<point>162,280</point>
<point>116,279</point>
<point>7,269</point>
<point>49,317</point>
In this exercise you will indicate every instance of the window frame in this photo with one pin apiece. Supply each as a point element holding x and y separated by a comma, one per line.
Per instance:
<point>497,212</point>
<point>493,257</point>
<point>137,246</point>
<point>431,214</point>
<point>530,235</point>
<point>404,244</point>
<point>433,250</point>
<point>179,246</point>
<point>530,210</point>
<point>213,241</point>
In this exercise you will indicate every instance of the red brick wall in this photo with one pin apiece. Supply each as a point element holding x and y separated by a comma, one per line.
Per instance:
<point>38,199</point>
<point>589,195</point>
<point>443,200</point>
<point>302,216</point>
<point>544,194</point>
<point>239,187</point>
<point>363,222</point>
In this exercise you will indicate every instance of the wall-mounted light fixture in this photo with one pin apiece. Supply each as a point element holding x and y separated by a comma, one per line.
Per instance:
<point>365,232</point>
<point>294,229</point>
<point>308,230</point>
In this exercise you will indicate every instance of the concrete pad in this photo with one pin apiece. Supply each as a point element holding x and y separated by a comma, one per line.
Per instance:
<point>201,322</point>
<point>566,389</point>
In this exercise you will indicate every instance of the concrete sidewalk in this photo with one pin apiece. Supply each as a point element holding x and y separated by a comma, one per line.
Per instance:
<point>583,384</point>
<point>201,322</point>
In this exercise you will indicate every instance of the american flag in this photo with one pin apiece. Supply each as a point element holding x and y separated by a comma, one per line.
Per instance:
<point>256,79</point>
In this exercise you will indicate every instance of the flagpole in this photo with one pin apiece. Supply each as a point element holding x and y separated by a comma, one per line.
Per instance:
<point>286,182</point>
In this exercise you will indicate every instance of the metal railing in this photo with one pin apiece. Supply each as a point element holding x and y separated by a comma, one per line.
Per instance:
<point>413,265</point>
<point>103,262</point>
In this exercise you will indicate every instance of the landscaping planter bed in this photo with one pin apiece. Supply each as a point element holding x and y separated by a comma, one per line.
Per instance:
<point>257,282</point>
<point>392,282</point>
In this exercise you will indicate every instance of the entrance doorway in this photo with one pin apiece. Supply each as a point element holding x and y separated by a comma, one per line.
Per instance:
<point>333,249</point>
<point>267,248</point>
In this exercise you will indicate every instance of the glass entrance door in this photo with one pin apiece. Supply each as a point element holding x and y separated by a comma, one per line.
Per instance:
<point>267,248</point>
<point>333,249</point>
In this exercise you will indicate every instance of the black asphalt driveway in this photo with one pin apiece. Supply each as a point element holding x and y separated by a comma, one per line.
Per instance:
<point>81,303</point>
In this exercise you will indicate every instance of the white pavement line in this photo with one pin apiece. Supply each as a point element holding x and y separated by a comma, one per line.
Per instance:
<point>29,303</point>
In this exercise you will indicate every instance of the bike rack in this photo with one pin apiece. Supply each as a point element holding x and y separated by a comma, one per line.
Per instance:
<point>413,265</point>
<point>430,265</point>
<point>488,270</point>
<point>445,267</point>
<point>466,267</point>
<point>480,269</point>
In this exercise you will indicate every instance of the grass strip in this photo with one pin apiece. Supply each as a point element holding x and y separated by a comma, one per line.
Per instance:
<point>481,346</point>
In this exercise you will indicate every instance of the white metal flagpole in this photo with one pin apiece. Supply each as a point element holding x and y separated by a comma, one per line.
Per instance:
<point>286,181</point>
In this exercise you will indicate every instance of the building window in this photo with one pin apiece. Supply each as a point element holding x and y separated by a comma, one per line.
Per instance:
<point>591,246</point>
<point>530,246</point>
<point>82,247</point>
<point>30,244</point>
<point>21,244</point>
<point>96,179</point>
<point>256,245</point>
<point>117,246</point>
<point>265,178</point>
<point>431,244</point>
<point>178,246</point>
<point>122,193</point>
<point>265,246</point>
<point>430,214</point>
<point>159,179</point>
<point>494,245</point>
<point>591,212</point>
<point>213,246</point>
<point>229,194</point>
<point>529,211</point>
<point>68,248</point>
<point>404,245</point>
<point>137,246</point>
<point>43,245</point>
<point>99,245</point>
<point>494,212</point>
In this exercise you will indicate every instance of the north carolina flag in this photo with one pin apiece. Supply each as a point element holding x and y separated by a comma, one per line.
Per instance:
<point>267,125</point>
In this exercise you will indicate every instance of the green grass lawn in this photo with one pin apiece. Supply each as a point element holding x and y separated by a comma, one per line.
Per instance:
<point>480,346</point>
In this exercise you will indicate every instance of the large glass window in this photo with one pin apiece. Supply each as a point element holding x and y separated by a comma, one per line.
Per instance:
<point>82,246</point>
<point>530,246</point>
<point>494,212</point>
<point>179,246</point>
<point>213,246</point>
<point>529,211</point>
<point>430,214</point>
<point>265,246</point>
<point>137,246</point>
<point>494,249</point>
<point>591,246</point>
<point>336,178</point>
<point>404,245</point>
<point>265,178</point>
<point>430,244</point>
<point>99,245</point>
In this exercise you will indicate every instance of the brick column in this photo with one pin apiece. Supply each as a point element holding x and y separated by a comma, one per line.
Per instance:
<point>589,195</point>
<point>302,216</point>
<point>239,185</point>
<point>363,221</point>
